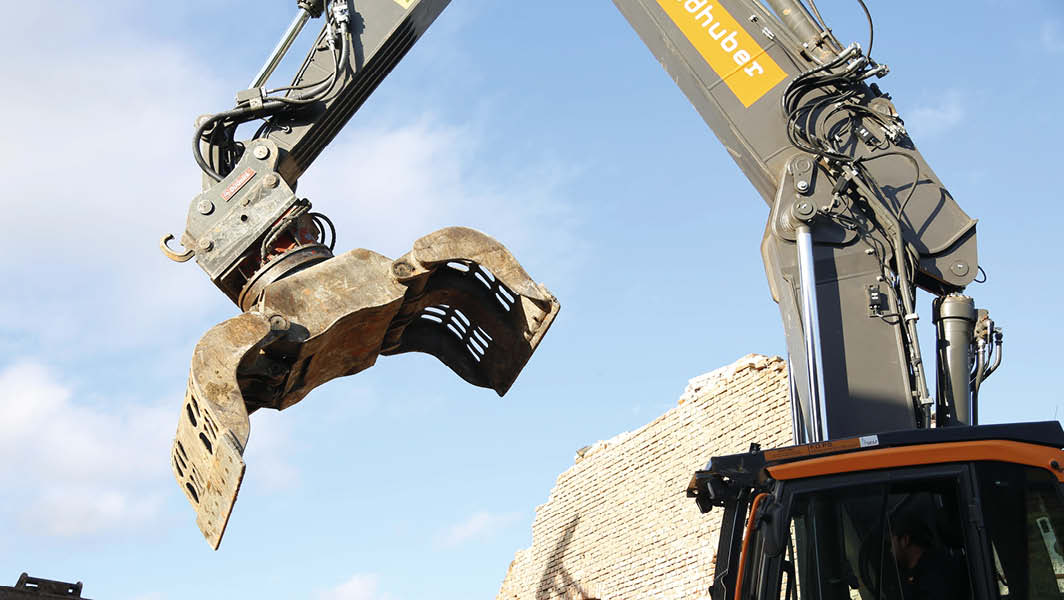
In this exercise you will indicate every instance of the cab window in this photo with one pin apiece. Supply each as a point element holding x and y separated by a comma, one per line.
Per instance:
<point>877,541</point>
<point>1024,520</point>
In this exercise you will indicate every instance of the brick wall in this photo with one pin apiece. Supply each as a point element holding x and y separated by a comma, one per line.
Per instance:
<point>618,526</point>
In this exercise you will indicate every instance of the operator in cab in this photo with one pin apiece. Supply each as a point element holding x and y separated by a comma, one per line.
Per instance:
<point>925,571</point>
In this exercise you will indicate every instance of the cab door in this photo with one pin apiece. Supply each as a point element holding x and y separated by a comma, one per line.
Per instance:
<point>898,534</point>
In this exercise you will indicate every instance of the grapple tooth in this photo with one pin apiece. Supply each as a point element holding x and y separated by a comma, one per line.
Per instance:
<point>458,295</point>
<point>213,427</point>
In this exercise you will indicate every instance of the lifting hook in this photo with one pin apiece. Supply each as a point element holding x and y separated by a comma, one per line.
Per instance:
<point>174,256</point>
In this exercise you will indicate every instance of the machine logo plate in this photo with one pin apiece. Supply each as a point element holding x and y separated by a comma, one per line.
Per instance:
<point>238,183</point>
<point>730,51</point>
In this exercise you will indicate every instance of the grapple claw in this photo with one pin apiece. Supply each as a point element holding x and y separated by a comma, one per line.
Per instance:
<point>213,427</point>
<point>458,295</point>
<point>475,309</point>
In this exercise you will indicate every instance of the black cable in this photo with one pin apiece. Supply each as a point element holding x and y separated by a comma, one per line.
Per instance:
<point>916,179</point>
<point>318,218</point>
<point>316,93</point>
<point>850,122</point>
<point>229,118</point>
<point>976,382</point>
<point>340,65</point>
<point>298,209</point>
<point>223,125</point>
<point>906,291</point>
<point>327,86</point>
<point>879,251</point>
<point>871,29</point>
<point>297,88</point>
<point>796,111</point>
<point>801,80</point>
<point>205,164</point>
<point>999,345</point>
<point>837,88</point>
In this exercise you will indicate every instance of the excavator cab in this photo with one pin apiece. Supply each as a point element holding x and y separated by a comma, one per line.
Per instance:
<point>953,513</point>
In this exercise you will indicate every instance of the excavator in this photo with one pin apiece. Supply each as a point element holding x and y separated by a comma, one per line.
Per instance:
<point>892,489</point>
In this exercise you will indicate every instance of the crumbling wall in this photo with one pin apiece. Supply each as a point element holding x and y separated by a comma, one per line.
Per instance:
<point>617,524</point>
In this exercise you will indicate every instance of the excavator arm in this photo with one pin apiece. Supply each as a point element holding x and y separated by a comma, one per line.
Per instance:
<point>309,316</point>
<point>857,220</point>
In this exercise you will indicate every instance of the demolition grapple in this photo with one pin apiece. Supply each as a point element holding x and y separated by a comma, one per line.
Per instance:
<point>310,316</point>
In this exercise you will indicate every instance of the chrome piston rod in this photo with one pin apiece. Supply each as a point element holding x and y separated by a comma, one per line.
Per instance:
<point>797,430</point>
<point>282,48</point>
<point>811,327</point>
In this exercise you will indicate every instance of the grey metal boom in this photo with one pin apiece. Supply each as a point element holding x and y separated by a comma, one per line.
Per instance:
<point>825,149</point>
<point>384,31</point>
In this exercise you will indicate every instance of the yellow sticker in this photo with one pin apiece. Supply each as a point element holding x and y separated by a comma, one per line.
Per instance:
<point>745,67</point>
<point>404,3</point>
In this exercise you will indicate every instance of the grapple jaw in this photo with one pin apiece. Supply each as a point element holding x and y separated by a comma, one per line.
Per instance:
<point>471,305</point>
<point>213,426</point>
<point>459,295</point>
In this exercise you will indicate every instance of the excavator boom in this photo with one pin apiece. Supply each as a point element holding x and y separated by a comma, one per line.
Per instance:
<point>857,219</point>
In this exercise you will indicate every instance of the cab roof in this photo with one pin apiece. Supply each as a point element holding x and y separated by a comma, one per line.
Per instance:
<point>749,468</point>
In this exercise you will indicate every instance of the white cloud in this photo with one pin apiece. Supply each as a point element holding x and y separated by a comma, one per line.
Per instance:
<point>73,469</point>
<point>359,587</point>
<point>479,526</point>
<point>386,185</point>
<point>99,169</point>
<point>77,510</point>
<point>946,111</point>
<point>1052,37</point>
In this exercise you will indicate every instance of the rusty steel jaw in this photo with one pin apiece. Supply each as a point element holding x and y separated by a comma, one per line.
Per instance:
<point>458,295</point>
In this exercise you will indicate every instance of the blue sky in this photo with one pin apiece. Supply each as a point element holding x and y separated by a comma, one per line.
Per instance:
<point>547,125</point>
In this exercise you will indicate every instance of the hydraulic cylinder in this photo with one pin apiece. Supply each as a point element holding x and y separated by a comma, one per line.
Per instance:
<point>955,317</point>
